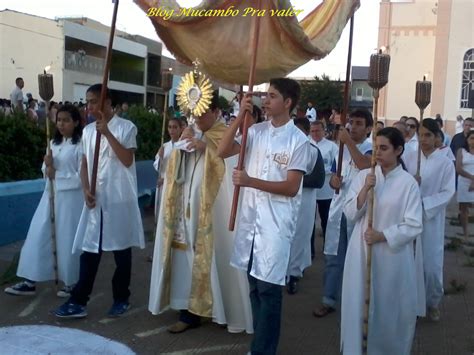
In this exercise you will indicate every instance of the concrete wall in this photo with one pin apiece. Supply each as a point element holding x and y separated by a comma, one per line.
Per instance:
<point>27,45</point>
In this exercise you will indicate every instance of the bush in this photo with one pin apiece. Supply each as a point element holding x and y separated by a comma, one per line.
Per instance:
<point>22,147</point>
<point>23,144</point>
<point>149,132</point>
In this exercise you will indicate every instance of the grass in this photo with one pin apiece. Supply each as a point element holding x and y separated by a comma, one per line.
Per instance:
<point>455,287</point>
<point>9,276</point>
<point>453,245</point>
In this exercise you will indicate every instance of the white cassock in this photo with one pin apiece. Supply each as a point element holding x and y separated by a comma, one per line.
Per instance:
<point>329,151</point>
<point>447,152</point>
<point>116,194</point>
<point>393,302</point>
<point>160,166</point>
<point>437,188</point>
<point>231,304</point>
<point>300,252</point>
<point>36,258</point>
<point>463,194</point>
<point>349,170</point>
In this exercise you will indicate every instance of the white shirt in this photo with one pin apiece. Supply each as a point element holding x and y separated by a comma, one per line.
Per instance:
<point>15,96</point>
<point>311,114</point>
<point>329,151</point>
<point>160,164</point>
<point>268,221</point>
<point>116,193</point>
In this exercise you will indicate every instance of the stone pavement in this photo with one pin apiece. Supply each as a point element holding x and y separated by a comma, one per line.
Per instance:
<point>301,332</point>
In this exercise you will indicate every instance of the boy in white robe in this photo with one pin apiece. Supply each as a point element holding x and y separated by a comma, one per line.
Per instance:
<point>356,156</point>
<point>278,155</point>
<point>110,219</point>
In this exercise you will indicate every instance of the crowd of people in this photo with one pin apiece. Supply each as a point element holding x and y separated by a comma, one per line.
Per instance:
<point>236,278</point>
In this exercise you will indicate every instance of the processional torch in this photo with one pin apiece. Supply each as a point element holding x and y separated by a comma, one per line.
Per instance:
<point>422,99</point>
<point>378,78</point>
<point>46,92</point>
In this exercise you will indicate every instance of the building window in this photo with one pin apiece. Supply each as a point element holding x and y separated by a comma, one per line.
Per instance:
<point>360,92</point>
<point>467,84</point>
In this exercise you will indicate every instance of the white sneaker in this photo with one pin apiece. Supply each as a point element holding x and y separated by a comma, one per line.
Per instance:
<point>434,314</point>
<point>65,292</point>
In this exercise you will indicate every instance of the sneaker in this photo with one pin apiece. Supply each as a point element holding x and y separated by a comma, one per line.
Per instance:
<point>118,309</point>
<point>71,310</point>
<point>434,314</point>
<point>292,286</point>
<point>24,288</point>
<point>65,292</point>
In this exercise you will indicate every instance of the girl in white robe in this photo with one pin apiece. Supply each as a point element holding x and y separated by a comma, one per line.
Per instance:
<point>397,222</point>
<point>437,187</point>
<point>36,258</point>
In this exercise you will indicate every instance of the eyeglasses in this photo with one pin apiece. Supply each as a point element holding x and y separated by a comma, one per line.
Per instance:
<point>411,125</point>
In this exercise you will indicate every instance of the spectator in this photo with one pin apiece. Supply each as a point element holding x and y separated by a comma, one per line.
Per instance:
<point>447,137</point>
<point>459,124</point>
<point>125,110</point>
<point>311,112</point>
<point>31,113</point>
<point>459,140</point>
<point>16,96</point>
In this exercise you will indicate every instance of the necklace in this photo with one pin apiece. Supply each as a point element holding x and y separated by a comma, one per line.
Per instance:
<point>196,161</point>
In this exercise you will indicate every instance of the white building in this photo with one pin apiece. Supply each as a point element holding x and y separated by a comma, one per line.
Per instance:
<point>433,38</point>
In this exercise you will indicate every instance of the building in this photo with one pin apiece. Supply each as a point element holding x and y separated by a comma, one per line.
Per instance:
<point>433,38</point>
<point>361,92</point>
<point>75,49</point>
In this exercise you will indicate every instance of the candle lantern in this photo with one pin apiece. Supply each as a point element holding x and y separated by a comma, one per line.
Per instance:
<point>45,84</point>
<point>423,93</point>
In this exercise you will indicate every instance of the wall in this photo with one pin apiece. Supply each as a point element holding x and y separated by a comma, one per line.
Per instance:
<point>27,45</point>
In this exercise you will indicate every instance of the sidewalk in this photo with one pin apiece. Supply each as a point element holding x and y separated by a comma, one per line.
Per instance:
<point>301,332</point>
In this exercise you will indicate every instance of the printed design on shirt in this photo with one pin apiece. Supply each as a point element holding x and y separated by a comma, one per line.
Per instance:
<point>282,159</point>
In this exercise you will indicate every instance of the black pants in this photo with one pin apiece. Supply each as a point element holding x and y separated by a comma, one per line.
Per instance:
<point>89,264</point>
<point>323,210</point>
<point>266,302</point>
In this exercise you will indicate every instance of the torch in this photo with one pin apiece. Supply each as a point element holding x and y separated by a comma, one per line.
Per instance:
<point>378,78</point>
<point>46,92</point>
<point>422,99</point>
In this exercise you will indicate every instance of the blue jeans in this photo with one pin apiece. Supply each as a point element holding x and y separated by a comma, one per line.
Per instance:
<point>266,301</point>
<point>333,269</point>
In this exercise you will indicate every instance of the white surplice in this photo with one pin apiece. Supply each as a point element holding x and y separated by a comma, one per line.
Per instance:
<point>393,305</point>
<point>36,258</point>
<point>267,222</point>
<point>300,253</point>
<point>349,170</point>
<point>116,194</point>
<point>230,300</point>
<point>329,151</point>
<point>437,188</point>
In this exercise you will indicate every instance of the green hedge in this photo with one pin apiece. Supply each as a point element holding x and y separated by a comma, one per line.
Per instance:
<point>23,145</point>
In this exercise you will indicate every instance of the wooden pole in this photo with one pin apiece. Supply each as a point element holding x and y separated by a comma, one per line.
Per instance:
<point>248,116</point>
<point>52,214</point>
<point>103,92</point>
<point>346,98</point>
<point>418,162</point>
<point>371,204</point>
<point>165,114</point>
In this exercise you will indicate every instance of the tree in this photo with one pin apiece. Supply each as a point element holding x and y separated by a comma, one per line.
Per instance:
<point>223,103</point>
<point>324,93</point>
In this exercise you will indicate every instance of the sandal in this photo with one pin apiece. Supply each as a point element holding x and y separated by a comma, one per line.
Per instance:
<point>323,311</point>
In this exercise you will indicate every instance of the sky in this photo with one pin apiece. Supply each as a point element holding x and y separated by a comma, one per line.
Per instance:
<point>133,20</point>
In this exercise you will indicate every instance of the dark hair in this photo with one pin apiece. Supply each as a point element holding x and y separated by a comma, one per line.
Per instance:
<point>441,135</point>
<point>214,101</point>
<point>318,123</point>
<point>288,88</point>
<point>76,117</point>
<point>365,114</point>
<point>30,100</point>
<point>18,79</point>
<point>466,145</point>
<point>257,114</point>
<point>470,119</point>
<point>439,121</point>
<point>395,138</point>
<point>97,89</point>
<point>417,124</point>
<point>431,125</point>
<point>381,122</point>
<point>303,122</point>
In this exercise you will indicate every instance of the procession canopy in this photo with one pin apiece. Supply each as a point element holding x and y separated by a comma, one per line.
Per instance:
<point>219,33</point>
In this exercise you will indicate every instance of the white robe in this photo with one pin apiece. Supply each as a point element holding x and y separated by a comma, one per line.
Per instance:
<point>393,305</point>
<point>437,188</point>
<point>230,303</point>
<point>36,258</point>
<point>116,194</point>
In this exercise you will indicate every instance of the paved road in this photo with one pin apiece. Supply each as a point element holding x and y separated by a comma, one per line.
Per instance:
<point>301,332</point>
